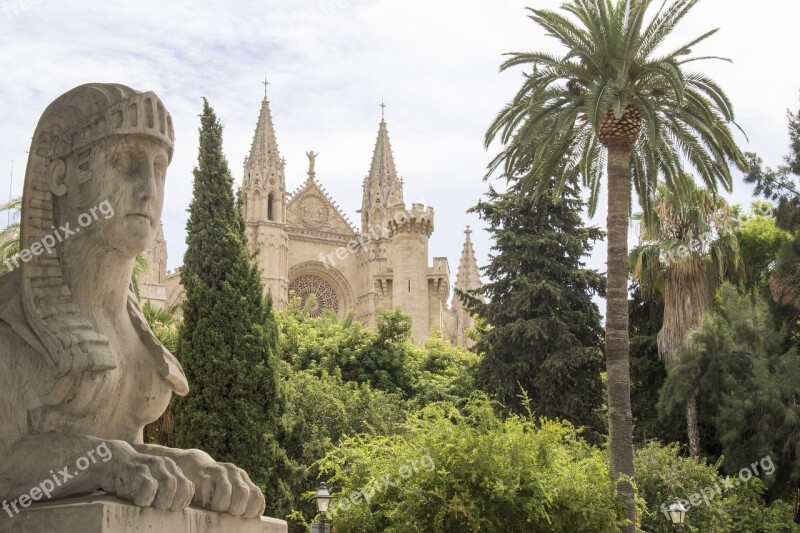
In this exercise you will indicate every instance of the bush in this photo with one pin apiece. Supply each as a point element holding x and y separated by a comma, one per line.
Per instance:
<point>454,471</point>
<point>663,475</point>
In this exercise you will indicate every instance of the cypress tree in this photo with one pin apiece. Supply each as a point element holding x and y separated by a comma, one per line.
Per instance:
<point>546,337</point>
<point>229,343</point>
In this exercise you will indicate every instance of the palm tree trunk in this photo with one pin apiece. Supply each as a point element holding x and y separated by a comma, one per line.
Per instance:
<point>688,297</point>
<point>692,428</point>
<point>620,419</point>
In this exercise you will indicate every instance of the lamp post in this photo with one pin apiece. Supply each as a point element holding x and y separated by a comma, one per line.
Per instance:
<point>677,514</point>
<point>323,499</point>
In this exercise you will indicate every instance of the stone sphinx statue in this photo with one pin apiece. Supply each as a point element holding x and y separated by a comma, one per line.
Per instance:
<point>80,372</point>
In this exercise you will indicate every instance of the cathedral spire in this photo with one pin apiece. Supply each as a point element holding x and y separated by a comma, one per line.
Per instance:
<point>468,277</point>
<point>264,183</point>
<point>264,162</point>
<point>382,170</point>
<point>382,187</point>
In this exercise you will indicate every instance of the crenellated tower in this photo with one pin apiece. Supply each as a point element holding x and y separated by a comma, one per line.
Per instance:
<point>468,279</point>
<point>264,197</point>
<point>410,231</point>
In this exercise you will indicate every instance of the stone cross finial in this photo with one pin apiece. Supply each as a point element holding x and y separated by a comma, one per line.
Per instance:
<point>468,231</point>
<point>383,108</point>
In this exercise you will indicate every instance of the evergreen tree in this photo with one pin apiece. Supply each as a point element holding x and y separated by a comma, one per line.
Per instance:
<point>749,385</point>
<point>781,185</point>
<point>229,343</point>
<point>545,338</point>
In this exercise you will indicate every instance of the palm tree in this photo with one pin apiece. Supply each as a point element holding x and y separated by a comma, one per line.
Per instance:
<point>140,267</point>
<point>9,236</point>
<point>167,330</point>
<point>614,97</point>
<point>163,323</point>
<point>687,249</point>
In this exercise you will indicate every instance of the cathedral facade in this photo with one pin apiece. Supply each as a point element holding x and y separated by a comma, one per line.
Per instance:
<point>304,245</point>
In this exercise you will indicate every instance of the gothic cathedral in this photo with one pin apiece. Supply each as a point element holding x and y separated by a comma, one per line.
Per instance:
<point>305,246</point>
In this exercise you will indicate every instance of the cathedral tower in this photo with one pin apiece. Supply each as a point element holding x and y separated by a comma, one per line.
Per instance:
<point>264,197</point>
<point>410,231</point>
<point>382,188</point>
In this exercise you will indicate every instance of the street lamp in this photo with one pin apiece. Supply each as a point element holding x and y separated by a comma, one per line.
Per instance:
<point>323,499</point>
<point>677,514</point>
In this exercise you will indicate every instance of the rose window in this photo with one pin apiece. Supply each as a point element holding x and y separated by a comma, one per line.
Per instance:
<point>305,286</point>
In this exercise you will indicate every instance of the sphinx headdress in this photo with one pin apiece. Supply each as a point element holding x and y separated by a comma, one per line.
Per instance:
<point>72,125</point>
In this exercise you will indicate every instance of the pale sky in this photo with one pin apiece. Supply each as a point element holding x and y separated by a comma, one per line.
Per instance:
<point>330,63</point>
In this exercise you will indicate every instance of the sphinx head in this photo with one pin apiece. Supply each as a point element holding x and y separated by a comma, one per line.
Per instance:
<point>109,151</point>
<point>96,168</point>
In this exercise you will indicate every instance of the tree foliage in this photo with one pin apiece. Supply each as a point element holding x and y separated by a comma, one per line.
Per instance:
<point>545,339</point>
<point>379,358</point>
<point>615,64</point>
<point>229,343</point>
<point>330,397</point>
<point>687,247</point>
<point>473,471</point>
<point>385,359</point>
<point>747,384</point>
<point>9,236</point>
<point>648,373</point>
<point>616,92</point>
<point>761,241</point>
<point>322,410</point>
<point>663,474</point>
<point>781,185</point>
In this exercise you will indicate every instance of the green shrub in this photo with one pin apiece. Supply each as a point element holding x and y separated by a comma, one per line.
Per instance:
<point>662,475</point>
<point>455,471</point>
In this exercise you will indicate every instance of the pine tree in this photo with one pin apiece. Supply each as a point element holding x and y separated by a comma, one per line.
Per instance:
<point>545,338</point>
<point>229,343</point>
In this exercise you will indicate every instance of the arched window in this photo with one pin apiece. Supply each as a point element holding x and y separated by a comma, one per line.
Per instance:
<point>271,207</point>
<point>253,207</point>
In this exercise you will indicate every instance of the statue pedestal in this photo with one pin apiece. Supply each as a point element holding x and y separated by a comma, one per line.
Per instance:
<point>103,514</point>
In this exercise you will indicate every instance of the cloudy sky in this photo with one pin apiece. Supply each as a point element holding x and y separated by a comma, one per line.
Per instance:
<point>330,63</point>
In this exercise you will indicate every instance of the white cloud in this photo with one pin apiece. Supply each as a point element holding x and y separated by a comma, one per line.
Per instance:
<point>329,63</point>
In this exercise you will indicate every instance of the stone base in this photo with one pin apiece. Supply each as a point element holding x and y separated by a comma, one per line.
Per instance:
<point>103,514</point>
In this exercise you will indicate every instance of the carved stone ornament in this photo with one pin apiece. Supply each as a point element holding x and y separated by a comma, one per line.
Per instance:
<point>314,211</point>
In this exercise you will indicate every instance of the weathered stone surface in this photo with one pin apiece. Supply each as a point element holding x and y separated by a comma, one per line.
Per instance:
<point>81,373</point>
<point>109,515</point>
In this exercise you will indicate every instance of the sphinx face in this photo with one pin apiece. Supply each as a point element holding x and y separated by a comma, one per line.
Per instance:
<point>126,190</point>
